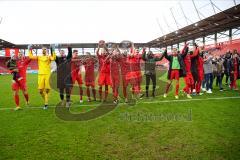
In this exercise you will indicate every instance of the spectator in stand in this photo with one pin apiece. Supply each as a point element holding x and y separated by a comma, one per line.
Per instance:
<point>208,72</point>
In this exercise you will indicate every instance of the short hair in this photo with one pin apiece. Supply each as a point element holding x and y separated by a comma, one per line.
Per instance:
<point>150,52</point>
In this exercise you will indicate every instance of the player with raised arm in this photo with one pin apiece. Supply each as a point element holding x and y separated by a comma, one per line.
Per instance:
<point>44,71</point>
<point>134,75</point>
<point>115,71</point>
<point>188,79</point>
<point>20,80</point>
<point>104,78</point>
<point>89,64</point>
<point>76,63</point>
<point>175,71</point>
<point>150,69</point>
<point>64,78</point>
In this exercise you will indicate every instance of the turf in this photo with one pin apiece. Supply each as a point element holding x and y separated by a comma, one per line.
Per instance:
<point>127,132</point>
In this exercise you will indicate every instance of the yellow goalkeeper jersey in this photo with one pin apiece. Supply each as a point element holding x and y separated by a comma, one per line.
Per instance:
<point>44,62</point>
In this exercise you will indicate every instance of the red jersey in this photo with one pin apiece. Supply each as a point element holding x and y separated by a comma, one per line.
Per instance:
<point>75,65</point>
<point>124,65</point>
<point>235,63</point>
<point>187,59</point>
<point>134,62</point>
<point>89,68</point>
<point>200,64</point>
<point>134,67</point>
<point>104,64</point>
<point>114,65</point>
<point>22,67</point>
<point>187,62</point>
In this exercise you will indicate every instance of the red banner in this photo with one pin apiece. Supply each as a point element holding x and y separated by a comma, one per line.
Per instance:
<point>9,51</point>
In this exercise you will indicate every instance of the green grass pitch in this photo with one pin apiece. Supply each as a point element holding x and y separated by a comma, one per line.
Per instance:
<point>32,133</point>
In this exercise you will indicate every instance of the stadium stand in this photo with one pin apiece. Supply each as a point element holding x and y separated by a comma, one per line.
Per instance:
<point>33,66</point>
<point>217,49</point>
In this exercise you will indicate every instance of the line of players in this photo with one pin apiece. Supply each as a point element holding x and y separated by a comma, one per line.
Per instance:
<point>115,66</point>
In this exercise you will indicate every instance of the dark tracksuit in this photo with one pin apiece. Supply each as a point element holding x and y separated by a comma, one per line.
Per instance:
<point>226,64</point>
<point>64,79</point>
<point>12,64</point>
<point>150,71</point>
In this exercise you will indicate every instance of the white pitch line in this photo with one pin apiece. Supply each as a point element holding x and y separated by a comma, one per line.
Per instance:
<point>151,102</point>
<point>50,106</point>
<point>187,100</point>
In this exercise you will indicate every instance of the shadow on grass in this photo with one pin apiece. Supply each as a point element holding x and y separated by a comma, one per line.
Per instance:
<point>103,108</point>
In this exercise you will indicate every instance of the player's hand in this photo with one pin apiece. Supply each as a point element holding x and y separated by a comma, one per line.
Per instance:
<point>29,47</point>
<point>52,46</point>
<point>56,45</point>
<point>15,70</point>
<point>164,49</point>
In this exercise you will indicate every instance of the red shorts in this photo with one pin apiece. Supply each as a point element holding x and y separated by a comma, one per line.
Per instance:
<point>189,78</point>
<point>104,79</point>
<point>78,78</point>
<point>133,75</point>
<point>89,81</point>
<point>19,85</point>
<point>174,74</point>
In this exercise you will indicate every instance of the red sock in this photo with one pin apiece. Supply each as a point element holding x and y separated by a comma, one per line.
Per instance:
<point>168,86</point>
<point>198,87</point>
<point>191,88</point>
<point>115,92</point>
<point>188,88</point>
<point>185,89</point>
<point>16,97</point>
<point>177,89</point>
<point>234,84</point>
<point>94,93</point>
<point>26,97</point>
<point>80,92</point>
<point>106,92</point>
<point>88,92</point>
<point>100,92</point>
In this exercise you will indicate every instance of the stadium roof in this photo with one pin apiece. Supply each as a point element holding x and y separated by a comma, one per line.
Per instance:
<point>6,44</point>
<point>219,22</point>
<point>87,21</point>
